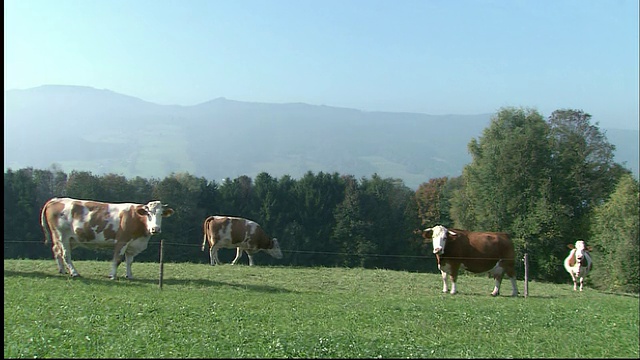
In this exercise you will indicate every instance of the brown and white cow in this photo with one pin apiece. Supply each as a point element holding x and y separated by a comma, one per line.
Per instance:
<point>578,263</point>
<point>475,251</point>
<point>235,232</point>
<point>124,227</point>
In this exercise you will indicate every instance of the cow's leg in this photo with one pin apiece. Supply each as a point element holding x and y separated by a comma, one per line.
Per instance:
<point>452,271</point>
<point>212,255</point>
<point>250,253</point>
<point>117,259</point>
<point>444,281</point>
<point>57,255</point>
<point>216,260</point>
<point>129,261</point>
<point>115,263</point>
<point>238,256</point>
<point>496,288</point>
<point>250,256</point>
<point>575,281</point>
<point>581,282</point>
<point>65,254</point>
<point>454,278</point>
<point>444,271</point>
<point>514,286</point>
<point>511,273</point>
<point>498,272</point>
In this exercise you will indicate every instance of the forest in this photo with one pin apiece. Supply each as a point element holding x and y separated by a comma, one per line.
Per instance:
<point>547,182</point>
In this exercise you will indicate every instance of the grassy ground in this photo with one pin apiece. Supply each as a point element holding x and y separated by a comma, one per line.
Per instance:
<point>240,311</point>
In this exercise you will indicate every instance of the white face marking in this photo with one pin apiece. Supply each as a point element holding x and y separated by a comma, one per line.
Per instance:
<point>580,250</point>
<point>275,251</point>
<point>439,237</point>
<point>154,217</point>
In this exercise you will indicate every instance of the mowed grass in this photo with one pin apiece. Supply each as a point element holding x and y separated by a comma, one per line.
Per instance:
<point>276,312</point>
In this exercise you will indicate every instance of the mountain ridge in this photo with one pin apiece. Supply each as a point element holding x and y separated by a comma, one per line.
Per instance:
<point>224,138</point>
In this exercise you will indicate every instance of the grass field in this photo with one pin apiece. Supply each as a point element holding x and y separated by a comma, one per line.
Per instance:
<point>275,312</point>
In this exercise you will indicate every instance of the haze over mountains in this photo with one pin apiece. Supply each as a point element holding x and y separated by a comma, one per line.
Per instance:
<point>82,128</point>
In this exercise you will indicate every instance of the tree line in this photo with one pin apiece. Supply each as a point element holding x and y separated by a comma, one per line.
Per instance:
<point>547,182</point>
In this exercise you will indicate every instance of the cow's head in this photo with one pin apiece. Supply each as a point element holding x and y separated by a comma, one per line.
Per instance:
<point>154,211</point>
<point>275,249</point>
<point>579,250</point>
<point>438,235</point>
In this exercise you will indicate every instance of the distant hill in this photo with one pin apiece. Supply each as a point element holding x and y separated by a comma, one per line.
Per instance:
<point>82,128</point>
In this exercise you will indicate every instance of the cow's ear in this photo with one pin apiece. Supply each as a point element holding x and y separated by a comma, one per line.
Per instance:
<point>589,248</point>
<point>571,246</point>
<point>427,234</point>
<point>167,212</point>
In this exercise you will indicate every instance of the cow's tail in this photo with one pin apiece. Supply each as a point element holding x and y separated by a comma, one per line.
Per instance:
<point>204,237</point>
<point>45,224</point>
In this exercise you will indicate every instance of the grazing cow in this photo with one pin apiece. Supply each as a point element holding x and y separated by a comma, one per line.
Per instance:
<point>235,232</point>
<point>578,263</point>
<point>475,251</point>
<point>123,227</point>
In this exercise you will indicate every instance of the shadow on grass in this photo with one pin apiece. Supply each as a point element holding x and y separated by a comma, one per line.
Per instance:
<point>488,295</point>
<point>144,282</point>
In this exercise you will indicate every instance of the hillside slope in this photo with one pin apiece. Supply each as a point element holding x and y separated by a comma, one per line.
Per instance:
<point>82,128</point>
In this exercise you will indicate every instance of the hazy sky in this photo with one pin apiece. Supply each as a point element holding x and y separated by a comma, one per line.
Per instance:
<point>427,56</point>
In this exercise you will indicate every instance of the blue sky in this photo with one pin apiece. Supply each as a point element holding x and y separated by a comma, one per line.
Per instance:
<point>426,56</point>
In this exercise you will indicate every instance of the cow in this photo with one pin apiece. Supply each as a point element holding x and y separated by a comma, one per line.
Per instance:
<point>124,227</point>
<point>236,232</point>
<point>476,252</point>
<point>578,263</point>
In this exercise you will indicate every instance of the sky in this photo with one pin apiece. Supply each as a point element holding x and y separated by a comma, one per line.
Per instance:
<point>426,56</point>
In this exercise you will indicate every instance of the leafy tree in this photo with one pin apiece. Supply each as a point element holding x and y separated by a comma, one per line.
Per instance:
<point>433,203</point>
<point>616,239</point>
<point>116,188</point>
<point>141,189</point>
<point>506,187</point>
<point>85,185</point>
<point>583,168</point>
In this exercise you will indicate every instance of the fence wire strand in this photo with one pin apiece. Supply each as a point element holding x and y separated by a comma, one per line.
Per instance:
<point>314,252</point>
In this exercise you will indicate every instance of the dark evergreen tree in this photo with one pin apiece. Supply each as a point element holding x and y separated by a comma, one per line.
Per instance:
<point>318,196</point>
<point>349,232</point>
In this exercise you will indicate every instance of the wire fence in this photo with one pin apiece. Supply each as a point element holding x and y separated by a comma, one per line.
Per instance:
<point>313,252</point>
<point>430,257</point>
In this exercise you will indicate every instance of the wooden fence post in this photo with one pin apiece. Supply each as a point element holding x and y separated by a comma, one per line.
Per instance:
<point>526,275</point>
<point>161,262</point>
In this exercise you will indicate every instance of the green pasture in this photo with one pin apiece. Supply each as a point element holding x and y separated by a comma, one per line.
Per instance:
<point>239,311</point>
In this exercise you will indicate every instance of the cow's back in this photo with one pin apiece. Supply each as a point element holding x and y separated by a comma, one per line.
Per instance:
<point>496,244</point>
<point>86,222</point>
<point>480,251</point>
<point>231,231</point>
